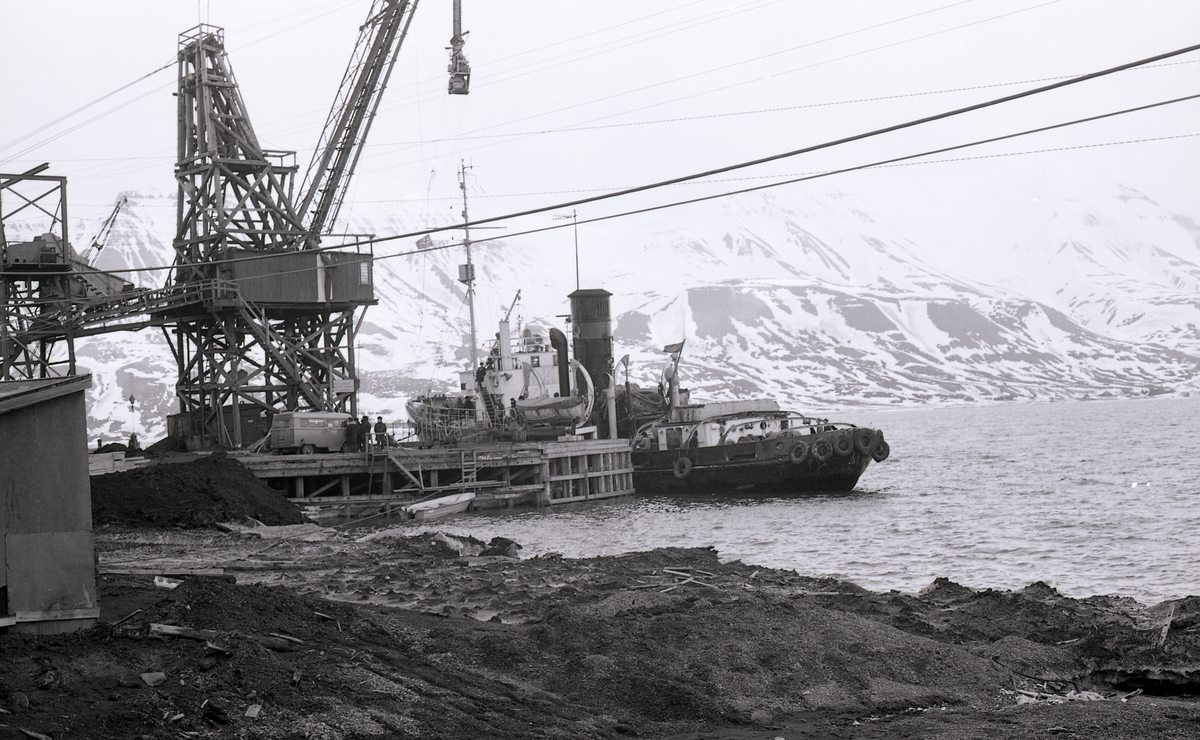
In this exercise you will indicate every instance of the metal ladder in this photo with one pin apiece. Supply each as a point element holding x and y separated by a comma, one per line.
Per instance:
<point>470,470</point>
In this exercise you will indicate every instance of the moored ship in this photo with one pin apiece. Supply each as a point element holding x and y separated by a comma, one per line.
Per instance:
<point>528,385</point>
<point>747,445</point>
<point>522,388</point>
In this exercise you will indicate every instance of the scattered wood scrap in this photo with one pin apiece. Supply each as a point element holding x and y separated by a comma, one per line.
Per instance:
<point>674,578</point>
<point>1025,696</point>
<point>170,630</point>
<point>127,617</point>
<point>278,644</point>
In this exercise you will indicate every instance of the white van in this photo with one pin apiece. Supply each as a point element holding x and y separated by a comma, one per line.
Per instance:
<point>310,431</point>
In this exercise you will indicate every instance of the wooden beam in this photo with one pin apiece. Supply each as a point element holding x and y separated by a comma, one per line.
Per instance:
<point>324,488</point>
<point>57,614</point>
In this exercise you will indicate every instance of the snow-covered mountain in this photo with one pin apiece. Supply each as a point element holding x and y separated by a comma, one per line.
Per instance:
<point>814,299</point>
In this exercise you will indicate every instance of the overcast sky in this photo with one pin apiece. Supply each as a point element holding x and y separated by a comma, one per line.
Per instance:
<point>571,99</point>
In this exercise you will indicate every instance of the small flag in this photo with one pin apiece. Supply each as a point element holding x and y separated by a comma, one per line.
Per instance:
<point>676,348</point>
<point>425,242</point>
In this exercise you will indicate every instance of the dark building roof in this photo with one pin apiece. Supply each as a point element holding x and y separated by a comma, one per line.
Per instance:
<point>18,394</point>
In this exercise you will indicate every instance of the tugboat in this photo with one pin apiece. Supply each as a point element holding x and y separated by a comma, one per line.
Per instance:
<point>746,445</point>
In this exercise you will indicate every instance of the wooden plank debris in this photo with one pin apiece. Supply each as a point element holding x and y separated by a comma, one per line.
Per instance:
<point>127,617</point>
<point>175,573</point>
<point>277,644</point>
<point>57,614</point>
<point>1162,638</point>
<point>170,630</point>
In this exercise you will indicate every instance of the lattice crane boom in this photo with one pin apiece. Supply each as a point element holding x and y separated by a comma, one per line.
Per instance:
<point>101,237</point>
<point>353,111</point>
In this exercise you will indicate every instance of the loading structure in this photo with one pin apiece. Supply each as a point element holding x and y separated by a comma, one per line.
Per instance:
<point>259,316</point>
<point>272,316</point>
<point>34,279</point>
<point>49,294</point>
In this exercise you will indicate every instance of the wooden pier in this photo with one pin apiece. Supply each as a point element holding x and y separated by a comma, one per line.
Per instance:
<point>538,473</point>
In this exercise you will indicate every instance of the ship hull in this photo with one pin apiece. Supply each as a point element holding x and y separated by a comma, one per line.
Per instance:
<point>761,466</point>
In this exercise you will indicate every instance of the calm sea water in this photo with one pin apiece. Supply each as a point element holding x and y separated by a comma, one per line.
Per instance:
<point>1090,497</point>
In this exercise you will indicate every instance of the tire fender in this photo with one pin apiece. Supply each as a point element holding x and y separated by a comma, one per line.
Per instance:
<point>799,452</point>
<point>683,468</point>
<point>843,443</point>
<point>865,440</point>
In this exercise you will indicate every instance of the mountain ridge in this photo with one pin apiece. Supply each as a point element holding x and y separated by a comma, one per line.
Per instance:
<point>813,299</point>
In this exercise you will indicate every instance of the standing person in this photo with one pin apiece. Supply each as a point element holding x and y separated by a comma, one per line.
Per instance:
<point>364,429</point>
<point>352,435</point>
<point>380,432</point>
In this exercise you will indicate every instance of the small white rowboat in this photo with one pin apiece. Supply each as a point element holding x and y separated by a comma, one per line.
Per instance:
<point>435,508</point>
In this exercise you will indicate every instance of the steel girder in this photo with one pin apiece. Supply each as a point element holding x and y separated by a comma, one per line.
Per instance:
<point>244,357</point>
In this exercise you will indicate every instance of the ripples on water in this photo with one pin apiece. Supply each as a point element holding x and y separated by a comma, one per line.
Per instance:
<point>1090,497</point>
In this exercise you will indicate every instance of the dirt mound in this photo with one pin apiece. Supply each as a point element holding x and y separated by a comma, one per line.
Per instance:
<point>197,493</point>
<point>217,604</point>
<point>366,634</point>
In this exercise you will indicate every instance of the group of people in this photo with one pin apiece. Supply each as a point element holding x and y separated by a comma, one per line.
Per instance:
<point>359,432</point>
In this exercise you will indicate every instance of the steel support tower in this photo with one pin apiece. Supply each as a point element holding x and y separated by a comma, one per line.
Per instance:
<point>266,330</point>
<point>260,318</point>
<point>35,280</point>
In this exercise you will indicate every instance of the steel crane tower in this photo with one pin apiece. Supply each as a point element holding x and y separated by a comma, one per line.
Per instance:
<point>49,295</point>
<point>272,317</point>
<point>35,279</point>
<point>258,316</point>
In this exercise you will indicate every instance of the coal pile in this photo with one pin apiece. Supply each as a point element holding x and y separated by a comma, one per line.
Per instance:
<point>193,494</point>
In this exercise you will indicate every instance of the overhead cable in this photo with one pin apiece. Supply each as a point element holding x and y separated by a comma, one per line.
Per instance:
<point>905,161</point>
<point>829,173</point>
<point>826,145</point>
<point>732,114</point>
<point>710,90</point>
<point>83,107</point>
<point>791,181</point>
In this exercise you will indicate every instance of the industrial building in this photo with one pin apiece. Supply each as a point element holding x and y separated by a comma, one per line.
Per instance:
<point>47,556</point>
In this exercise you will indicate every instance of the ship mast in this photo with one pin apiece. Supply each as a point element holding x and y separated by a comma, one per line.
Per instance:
<point>467,274</point>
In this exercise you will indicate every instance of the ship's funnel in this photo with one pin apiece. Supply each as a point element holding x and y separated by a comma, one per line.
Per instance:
<point>591,325</point>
